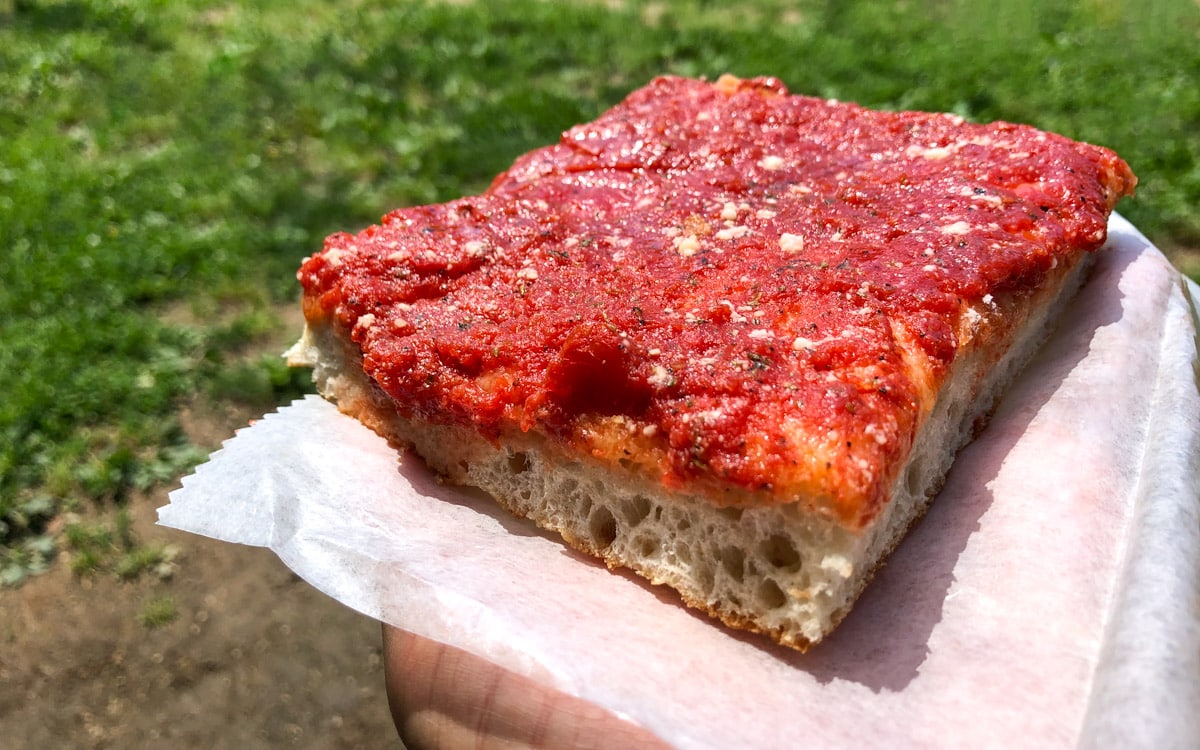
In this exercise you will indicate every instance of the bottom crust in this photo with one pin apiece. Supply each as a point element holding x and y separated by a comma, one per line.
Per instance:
<point>782,570</point>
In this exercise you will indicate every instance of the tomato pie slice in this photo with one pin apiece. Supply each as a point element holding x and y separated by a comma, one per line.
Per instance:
<point>727,337</point>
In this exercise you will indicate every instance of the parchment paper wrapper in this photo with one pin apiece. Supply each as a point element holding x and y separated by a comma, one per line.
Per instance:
<point>1050,598</point>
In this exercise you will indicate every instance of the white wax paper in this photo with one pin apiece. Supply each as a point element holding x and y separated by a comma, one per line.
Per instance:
<point>1050,598</point>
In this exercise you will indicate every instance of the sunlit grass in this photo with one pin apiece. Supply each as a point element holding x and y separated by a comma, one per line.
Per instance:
<point>164,156</point>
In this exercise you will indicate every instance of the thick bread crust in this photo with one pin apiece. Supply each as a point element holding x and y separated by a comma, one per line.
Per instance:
<point>787,570</point>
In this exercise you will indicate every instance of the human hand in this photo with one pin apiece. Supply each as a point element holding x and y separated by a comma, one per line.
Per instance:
<point>444,697</point>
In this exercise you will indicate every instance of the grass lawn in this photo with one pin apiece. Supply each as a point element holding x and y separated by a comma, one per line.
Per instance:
<point>165,166</point>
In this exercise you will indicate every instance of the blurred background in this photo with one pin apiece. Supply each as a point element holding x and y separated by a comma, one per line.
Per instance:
<point>165,166</point>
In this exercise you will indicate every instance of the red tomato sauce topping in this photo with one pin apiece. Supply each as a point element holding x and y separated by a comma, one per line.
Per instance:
<point>726,265</point>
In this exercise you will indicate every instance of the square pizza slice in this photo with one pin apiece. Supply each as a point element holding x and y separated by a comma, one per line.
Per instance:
<point>724,336</point>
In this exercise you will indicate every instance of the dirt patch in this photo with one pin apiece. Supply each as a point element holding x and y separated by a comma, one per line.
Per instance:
<point>253,657</point>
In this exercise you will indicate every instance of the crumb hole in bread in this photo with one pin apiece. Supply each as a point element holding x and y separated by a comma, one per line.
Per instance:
<point>706,579</point>
<point>635,510</point>
<point>683,524</point>
<point>769,595</point>
<point>734,562</point>
<point>683,553</point>
<point>779,552</point>
<point>602,527</point>
<point>647,547</point>
<point>464,467</point>
<point>733,514</point>
<point>518,463</point>
<point>913,479</point>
